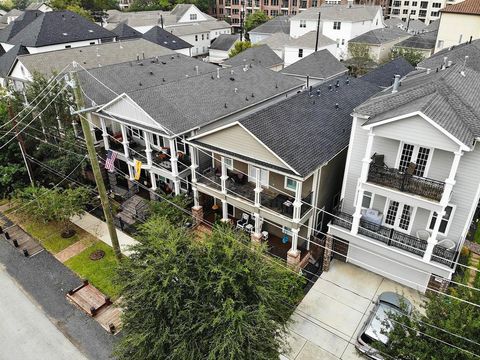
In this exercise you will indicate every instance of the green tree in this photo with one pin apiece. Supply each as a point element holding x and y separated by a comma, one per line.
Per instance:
<point>143,5</point>
<point>411,55</point>
<point>21,4</point>
<point>57,205</point>
<point>173,213</point>
<point>359,60</point>
<point>239,47</point>
<point>255,19</point>
<point>214,298</point>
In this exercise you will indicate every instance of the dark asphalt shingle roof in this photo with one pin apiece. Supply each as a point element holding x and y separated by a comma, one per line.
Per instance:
<point>7,59</point>
<point>58,27</point>
<point>257,55</point>
<point>277,24</point>
<point>448,97</point>
<point>380,36</point>
<point>224,42</point>
<point>123,32</point>
<point>307,130</point>
<point>420,41</point>
<point>457,55</point>
<point>23,20</point>
<point>321,64</point>
<point>383,75</point>
<point>164,38</point>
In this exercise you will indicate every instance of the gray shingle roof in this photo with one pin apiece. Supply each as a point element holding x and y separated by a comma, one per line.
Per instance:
<point>164,38</point>
<point>308,41</point>
<point>7,59</point>
<point>384,75</point>
<point>345,13</point>
<point>416,26</point>
<point>57,27</point>
<point>258,55</point>
<point>133,75</point>
<point>123,32</point>
<point>457,55</point>
<point>224,42</point>
<point>198,27</point>
<point>321,65</point>
<point>276,41</point>
<point>448,97</point>
<point>422,41</point>
<point>180,9</point>
<point>12,29</point>
<point>208,97</point>
<point>307,131</point>
<point>279,24</point>
<point>92,56</point>
<point>380,36</point>
<point>139,18</point>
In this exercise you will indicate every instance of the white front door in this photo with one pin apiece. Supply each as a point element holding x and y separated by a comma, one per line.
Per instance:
<point>252,171</point>
<point>399,216</point>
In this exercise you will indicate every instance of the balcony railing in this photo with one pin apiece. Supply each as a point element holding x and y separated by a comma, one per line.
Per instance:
<point>383,234</point>
<point>394,178</point>
<point>444,256</point>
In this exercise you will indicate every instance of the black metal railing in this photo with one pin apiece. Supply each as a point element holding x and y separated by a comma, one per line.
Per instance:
<point>394,178</point>
<point>383,234</point>
<point>444,256</point>
<point>132,191</point>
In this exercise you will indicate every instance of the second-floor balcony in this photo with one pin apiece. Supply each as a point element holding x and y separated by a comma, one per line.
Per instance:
<point>397,239</point>
<point>394,178</point>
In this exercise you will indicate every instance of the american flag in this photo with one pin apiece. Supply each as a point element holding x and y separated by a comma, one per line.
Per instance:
<point>110,162</point>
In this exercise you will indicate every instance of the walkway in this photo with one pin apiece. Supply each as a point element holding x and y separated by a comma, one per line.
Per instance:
<point>99,229</point>
<point>329,318</point>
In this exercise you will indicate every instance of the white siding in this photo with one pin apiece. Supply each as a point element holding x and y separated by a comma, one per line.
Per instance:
<point>41,49</point>
<point>386,147</point>
<point>441,164</point>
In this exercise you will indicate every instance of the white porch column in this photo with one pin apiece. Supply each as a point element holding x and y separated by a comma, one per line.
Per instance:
<point>225,211</point>
<point>367,159</point>
<point>258,187</point>
<point>148,148</point>
<point>224,176</point>
<point>293,255</point>
<point>174,164</point>
<point>123,128</point>
<point>358,208</point>
<point>432,240</point>
<point>297,204</point>
<point>104,133</point>
<point>313,218</point>
<point>193,169</point>
<point>450,181</point>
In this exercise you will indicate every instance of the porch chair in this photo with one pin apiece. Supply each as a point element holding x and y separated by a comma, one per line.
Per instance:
<point>265,235</point>
<point>243,221</point>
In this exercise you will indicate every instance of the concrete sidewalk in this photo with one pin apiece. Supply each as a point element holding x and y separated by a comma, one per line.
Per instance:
<point>99,229</point>
<point>327,321</point>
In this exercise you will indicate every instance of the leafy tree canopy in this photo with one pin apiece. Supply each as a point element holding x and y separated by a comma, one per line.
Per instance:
<point>239,47</point>
<point>255,19</point>
<point>212,298</point>
<point>411,55</point>
<point>360,60</point>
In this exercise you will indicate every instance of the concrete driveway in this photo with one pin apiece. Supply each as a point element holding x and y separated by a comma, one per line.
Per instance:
<point>25,331</point>
<point>328,320</point>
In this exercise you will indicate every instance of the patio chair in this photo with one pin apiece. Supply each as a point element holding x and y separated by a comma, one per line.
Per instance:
<point>243,221</point>
<point>265,235</point>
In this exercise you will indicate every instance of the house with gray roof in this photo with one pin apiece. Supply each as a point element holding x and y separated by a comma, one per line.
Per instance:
<point>7,60</point>
<point>150,106</point>
<point>411,187</point>
<point>306,44</point>
<point>277,42</point>
<point>380,42</point>
<point>125,32</point>
<point>260,55</point>
<point>384,75</point>
<point>8,17</point>
<point>221,47</point>
<point>317,67</point>
<point>424,43</point>
<point>49,63</point>
<point>282,163</point>
<point>162,37</point>
<point>279,24</point>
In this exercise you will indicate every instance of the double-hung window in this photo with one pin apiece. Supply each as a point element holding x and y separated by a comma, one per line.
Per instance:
<point>303,23</point>
<point>417,154</point>
<point>445,221</point>
<point>399,216</point>
<point>336,25</point>
<point>228,163</point>
<point>252,175</point>
<point>290,184</point>
<point>367,200</point>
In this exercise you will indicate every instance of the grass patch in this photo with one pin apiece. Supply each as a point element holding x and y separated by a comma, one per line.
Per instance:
<point>477,235</point>
<point>98,272</point>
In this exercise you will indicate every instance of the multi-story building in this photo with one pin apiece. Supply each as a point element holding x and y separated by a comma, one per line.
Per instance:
<point>411,187</point>
<point>338,22</point>
<point>423,10</point>
<point>459,23</point>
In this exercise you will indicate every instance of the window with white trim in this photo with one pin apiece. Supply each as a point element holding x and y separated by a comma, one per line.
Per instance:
<point>252,175</point>
<point>303,23</point>
<point>290,184</point>
<point>367,200</point>
<point>443,229</point>
<point>405,217</point>
<point>418,154</point>
<point>392,213</point>
<point>193,16</point>
<point>337,25</point>
<point>228,163</point>
<point>300,53</point>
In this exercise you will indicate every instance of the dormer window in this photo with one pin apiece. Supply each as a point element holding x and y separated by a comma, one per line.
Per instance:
<point>193,17</point>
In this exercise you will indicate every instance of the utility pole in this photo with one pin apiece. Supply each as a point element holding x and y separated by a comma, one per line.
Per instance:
<point>21,142</point>
<point>242,15</point>
<point>318,31</point>
<point>408,22</point>
<point>92,154</point>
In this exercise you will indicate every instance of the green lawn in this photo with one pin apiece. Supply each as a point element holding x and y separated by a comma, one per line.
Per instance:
<point>98,272</point>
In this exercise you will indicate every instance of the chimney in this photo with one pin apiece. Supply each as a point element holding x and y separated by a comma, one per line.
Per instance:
<point>218,73</point>
<point>396,83</point>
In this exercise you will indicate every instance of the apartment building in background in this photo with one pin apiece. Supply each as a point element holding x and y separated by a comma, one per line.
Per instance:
<point>423,10</point>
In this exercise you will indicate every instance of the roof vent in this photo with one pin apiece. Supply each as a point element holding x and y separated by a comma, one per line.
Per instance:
<point>225,105</point>
<point>164,63</point>
<point>232,79</point>
<point>173,57</point>
<point>196,69</point>
<point>445,58</point>
<point>139,84</point>
<point>428,71</point>
<point>318,92</point>
<point>336,106</point>
<point>276,86</point>
<point>246,98</point>
<point>163,79</point>
<point>253,95</point>
<point>151,72</point>
<point>232,72</point>
<point>330,87</point>
<point>213,77</point>
<point>337,84</point>
<point>236,90</point>
<point>449,63</point>
<point>218,73</point>
<point>347,81</point>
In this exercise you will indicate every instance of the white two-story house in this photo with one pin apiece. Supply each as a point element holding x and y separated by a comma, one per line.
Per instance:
<point>411,183</point>
<point>338,22</point>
